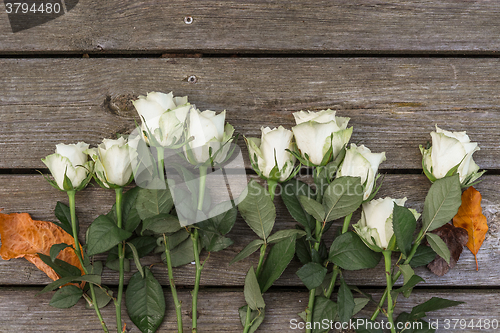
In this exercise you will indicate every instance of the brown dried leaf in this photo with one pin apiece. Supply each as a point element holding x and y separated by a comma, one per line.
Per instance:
<point>470,217</point>
<point>23,237</point>
<point>455,238</point>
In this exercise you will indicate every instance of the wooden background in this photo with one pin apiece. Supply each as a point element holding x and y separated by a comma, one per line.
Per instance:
<point>396,68</point>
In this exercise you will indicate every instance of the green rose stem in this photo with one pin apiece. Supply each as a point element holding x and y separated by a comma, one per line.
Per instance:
<point>320,225</point>
<point>121,257</point>
<point>419,239</point>
<point>336,269</point>
<point>161,165</point>
<point>390,307</point>
<point>172,284</point>
<point>194,239</point>
<point>271,187</point>
<point>72,206</point>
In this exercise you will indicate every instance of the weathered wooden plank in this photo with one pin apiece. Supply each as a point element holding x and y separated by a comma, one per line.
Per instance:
<point>393,103</point>
<point>417,26</point>
<point>218,311</point>
<point>29,193</point>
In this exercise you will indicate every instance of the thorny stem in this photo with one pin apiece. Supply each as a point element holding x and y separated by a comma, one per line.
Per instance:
<point>199,267</point>
<point>172,284</point>
<point>194,239</point>
<point>320,225</point>
<point>413,250</point>
<point>390,307</point>
<point>121,256</point>
<point>72,208</point>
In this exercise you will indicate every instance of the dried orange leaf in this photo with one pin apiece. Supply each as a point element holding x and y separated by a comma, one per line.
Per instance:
<point>470,217</point>
<point>23,237</point>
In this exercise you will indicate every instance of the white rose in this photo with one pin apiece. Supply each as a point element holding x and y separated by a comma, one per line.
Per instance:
<point>271,149</point>
<point>448,150</point>
<point>113,162</point>
<point>209,136</point>
<point>317,132</point>
<point>70,160</point>
<point>163,116</point>
<point>375,225</point>
<point>361,162</point>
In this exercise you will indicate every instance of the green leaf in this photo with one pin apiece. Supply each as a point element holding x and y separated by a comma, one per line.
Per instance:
<point>423,256</point>
<point>223,217</point>
<point>345,302</point>
<point>359,304</point>
<point>150,203</point>
<point>407,272</point>
<point>214,242</point>
<point>256,318</point>
<point>404,225</point>
<point>312,274</point>
<point>95,279</point>
<point>349,252</point>
<point>102,298</point>
<point>252,293</point>
<point>63,214</point>
<point>434,304</point>
<point>442,202</point>
<point>56,248</point>
<point>144,246</point>
<point>161,224</point>
<point>66,297</point>
<point>312,207</point>
<point>145,301</point>
<point>303,251</point>
<point>182,254</point>
<point>103,234</point>
<point>95,268</point>
<point>439,246</point>
<point>113,263</point>
<point>137,261</point>
<point>323,309</point>
<point>282,234</point>
<point>257,209</point>
<point>61,267</point>
<point>277,260</point>
<point>407,288</point>
<point>248,250</point>
<point>342,197</point>
<point>292,189</point>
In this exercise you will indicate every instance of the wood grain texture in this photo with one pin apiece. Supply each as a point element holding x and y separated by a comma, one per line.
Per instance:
<point>365,26</point>
<point>23,312</point>
<point>29,193</point>
<point>393,102</point>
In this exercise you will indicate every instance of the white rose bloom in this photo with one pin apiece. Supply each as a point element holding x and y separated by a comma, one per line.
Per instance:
<point>359,161</point>
<point>70,160</point>
<point>317,132</point>
<point>113,162</point>
<point>162,115</point>
<point>375,225</point>
<point>271,149</point>
<point>209,136</point>
<point>448,150</point>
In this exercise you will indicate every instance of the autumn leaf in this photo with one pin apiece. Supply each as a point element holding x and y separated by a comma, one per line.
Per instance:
<point>455,239</point>
<point>470,217</point>
<point>23,237</point>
